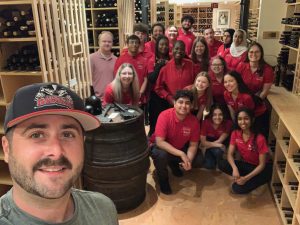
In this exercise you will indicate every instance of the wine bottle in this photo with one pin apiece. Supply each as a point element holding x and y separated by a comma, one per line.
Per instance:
<point>9,14</point>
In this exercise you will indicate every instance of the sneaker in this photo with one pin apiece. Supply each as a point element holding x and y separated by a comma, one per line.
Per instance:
<point>176,171</point>
<point>165,187</point>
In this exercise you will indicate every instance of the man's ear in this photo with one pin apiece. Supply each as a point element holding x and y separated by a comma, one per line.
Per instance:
<point>5,147</point>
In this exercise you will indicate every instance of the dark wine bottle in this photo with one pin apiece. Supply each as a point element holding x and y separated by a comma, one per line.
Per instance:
<point>9,14</point>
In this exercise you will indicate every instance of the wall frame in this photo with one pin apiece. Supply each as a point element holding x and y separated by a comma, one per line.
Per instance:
<point>223,18</point>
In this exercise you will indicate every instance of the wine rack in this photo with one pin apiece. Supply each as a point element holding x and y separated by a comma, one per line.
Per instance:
<point>40,42</point>
<point>253,20</point>
<point>290,77</point>
<point>104,15</point>
<point>203,17</point>
<point>171,14</point>
<point>285,138</point>
<point>138,11</point>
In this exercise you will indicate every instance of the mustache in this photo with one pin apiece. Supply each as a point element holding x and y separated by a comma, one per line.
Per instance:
<point>62,161</point>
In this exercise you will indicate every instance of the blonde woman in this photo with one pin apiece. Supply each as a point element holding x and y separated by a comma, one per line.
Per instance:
<point>202,93</point>
<point>124,88</point>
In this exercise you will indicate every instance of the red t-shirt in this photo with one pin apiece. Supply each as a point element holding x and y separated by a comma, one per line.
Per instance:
<point>254,81</point>
<point>109,96</point>
<point>231,61</point>
<point>139,63</point>
<point>213,48</point>
<point>221,50</point>
<point>246,149</point>
<point>150,46</point>
<point>171,79</point>
<point>217,88</point>
<point>244,100</point>
<point>208,130</point>
<point>188,39</point>
<point>176,132</point>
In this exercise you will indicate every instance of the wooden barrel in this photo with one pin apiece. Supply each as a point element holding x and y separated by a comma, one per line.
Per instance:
<point>117,162</point>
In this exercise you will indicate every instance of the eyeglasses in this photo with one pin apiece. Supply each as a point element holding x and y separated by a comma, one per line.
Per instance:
<point>217,65</point>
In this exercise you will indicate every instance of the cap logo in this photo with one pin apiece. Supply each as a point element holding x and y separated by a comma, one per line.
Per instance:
<point>52,95</point>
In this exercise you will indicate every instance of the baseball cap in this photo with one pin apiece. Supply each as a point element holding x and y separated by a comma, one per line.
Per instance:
<point>47,99</point>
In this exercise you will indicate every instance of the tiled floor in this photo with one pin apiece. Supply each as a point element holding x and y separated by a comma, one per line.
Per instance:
<point>202,197</point>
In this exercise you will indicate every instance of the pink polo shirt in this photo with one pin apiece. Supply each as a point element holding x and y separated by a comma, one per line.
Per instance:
<point>102,71</point>
<point>188,39</point>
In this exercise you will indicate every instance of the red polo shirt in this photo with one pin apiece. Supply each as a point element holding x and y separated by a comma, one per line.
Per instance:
<point>146,53</point>
<point>176,132</point>
<point>151,63</point>
<point>171,79</point>
<point>197,68</point>
<point>109,96</point>
<point>213,48</point>
<point>188,39</point>
<point>254,81</point>
<point>150,46</point>
<point>208,130</point>
<point>217,88</point>
<point>139,63</point>
<point>244,100</point>
<point>221,50</point>
<point>232,62</point>
<point>246,149</point>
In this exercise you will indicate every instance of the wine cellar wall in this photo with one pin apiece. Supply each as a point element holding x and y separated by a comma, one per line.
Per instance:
<point>41,41</point>
<point>116,16</point>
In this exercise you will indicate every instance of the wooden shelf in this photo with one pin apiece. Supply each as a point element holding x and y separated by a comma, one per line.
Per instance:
<point>290,47</point>
<point>21,73</point>
<point>25,39</point>
<point>104,9</point>
<point>103,28</point>
<point>290,195</point>
<point>291,25</point>
<point>1,154</point>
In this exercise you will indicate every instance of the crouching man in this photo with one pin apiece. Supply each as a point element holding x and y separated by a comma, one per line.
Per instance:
<point>177,134</point>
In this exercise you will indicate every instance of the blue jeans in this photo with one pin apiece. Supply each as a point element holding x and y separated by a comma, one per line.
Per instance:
<point>212,157</point>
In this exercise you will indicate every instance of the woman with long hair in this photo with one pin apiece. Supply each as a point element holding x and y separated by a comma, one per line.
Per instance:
<point>237,95</point>
<point>254,169</point>
<point>256,73</point>
<point>214,133</point>
<point>218,69</point>
<point>228,39</point>
<point>200,55</point>
<point>158,61</point>
<point>201,90</point>
<point>238,50</point>
<point>124,88</point>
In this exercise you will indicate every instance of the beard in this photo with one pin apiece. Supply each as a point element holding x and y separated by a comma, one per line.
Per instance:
<point>26,180</point>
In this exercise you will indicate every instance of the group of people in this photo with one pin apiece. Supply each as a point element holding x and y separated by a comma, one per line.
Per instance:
<point>198,91</point>
<point>195,90</point>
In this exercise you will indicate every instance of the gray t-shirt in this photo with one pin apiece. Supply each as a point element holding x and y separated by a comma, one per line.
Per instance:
<point>91,208</point>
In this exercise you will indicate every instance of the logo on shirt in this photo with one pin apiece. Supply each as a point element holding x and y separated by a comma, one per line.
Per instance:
<point>186,131</point>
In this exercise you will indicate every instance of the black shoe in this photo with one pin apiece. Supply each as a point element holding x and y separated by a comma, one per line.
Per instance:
<point>165,187</point>
<point>177,172</point>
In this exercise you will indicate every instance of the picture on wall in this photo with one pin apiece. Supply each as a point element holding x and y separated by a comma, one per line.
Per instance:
<point>223,18</point>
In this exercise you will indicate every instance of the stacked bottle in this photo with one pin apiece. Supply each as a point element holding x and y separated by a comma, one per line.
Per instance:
<point>16,23</point>
<point>24,59</point>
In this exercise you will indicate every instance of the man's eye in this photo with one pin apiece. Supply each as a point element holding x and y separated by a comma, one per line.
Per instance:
<point>68,134</point>
<point>37,135</point>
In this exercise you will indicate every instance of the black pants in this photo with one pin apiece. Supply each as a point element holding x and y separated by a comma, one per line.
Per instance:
<point>245,168</point>
<point>156,106</point>
<point>162,159</point>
